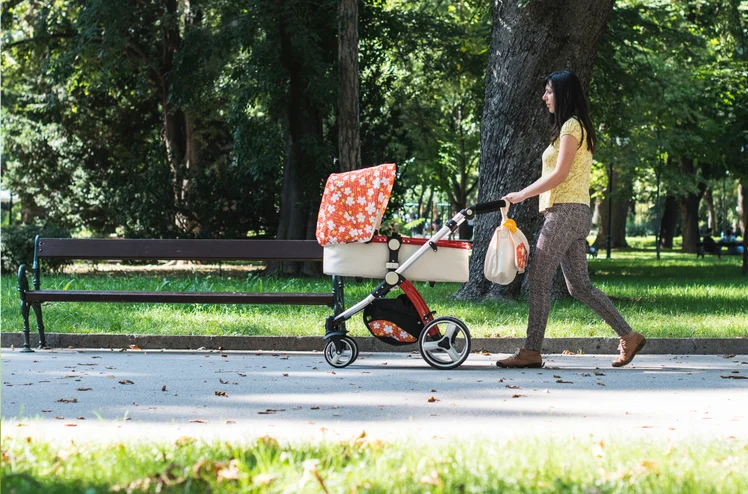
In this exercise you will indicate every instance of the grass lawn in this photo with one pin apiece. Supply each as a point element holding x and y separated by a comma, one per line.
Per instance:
<point>678,296</point>
<point>526,465</point>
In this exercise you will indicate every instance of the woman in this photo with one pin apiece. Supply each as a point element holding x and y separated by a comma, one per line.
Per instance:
<point>564,200</point>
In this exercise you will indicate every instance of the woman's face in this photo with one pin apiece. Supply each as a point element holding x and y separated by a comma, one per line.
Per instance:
<point>548,98</point>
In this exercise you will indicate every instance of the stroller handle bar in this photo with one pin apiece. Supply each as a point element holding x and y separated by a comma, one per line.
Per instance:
<point>485,207</point>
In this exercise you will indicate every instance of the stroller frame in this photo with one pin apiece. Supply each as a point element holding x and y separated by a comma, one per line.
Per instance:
<point>438,340</point>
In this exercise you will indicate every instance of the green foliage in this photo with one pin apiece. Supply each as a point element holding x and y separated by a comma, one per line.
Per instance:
<point>18,246</point>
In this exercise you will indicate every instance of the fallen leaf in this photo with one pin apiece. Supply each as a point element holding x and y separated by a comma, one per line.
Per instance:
<point>511,386</point>
<point>243,375</point>
<point>730,355</point>
<point>224,355</point>
<point>600,384</point>
<point>518,396</point>
<point>598,373</point>
<point>229,422</point>
<point>126,381</point>
<point>556,376</point>
<point>222,381</point>
<point>264,479</point>
<point>59,418</point>
<point>83,389</point>
<point>46,411</point>
<point>199,421</point>
<point>561,381</point>
<point>135,347</point>
<point>81,418</point>
<point>432,399</point>
<point>71,400</point>
<point>163,388</point>
<point>584,374</point>
<point>314,408</point>
<point>433,391</point>
<point>734,377</point>
<point>566,352</point>
<point>222,393</point>
<point>284,374</point>
<point>71,425</point>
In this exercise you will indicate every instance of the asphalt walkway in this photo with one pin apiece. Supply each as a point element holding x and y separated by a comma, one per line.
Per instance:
<point>95,395</point>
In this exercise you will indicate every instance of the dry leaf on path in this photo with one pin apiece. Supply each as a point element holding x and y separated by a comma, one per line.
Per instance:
<point>432,399</point>
<point>83,389</point>
<point>561,381</point>
<point>734,377</point>
<point>199,421</point>
<point>63,400</point>
<point>730,355</point>
<point>222,381</point>
<point>126,381</point>
<point>71,425</point>
<point>135,347</point>
<point>222,393</point>
<point>518,396</point>
<point>511,386</point>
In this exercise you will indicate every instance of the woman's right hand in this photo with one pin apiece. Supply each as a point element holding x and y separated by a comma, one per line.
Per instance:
<point>514,197</point>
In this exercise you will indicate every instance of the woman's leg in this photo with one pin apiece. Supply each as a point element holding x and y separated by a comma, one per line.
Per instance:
<point>574,267</point>
<point>556,236</point>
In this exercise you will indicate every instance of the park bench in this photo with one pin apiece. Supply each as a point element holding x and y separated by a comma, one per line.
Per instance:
<point>701,250</point>
<point>163,249</point>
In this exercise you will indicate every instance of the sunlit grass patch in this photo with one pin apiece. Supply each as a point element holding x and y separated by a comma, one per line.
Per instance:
<point>359,465</point>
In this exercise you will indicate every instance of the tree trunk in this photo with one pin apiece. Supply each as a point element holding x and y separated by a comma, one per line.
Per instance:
<point>528,42</point>
<point>349,145</point>
<point>711,221</point>
<point>620,208</point>
<point>689,209</point>
<point>300,194</point>
<point>669,220</point>
<point>743,222</point>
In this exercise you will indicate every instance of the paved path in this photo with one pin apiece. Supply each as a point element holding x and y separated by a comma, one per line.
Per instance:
<point>89,395</point>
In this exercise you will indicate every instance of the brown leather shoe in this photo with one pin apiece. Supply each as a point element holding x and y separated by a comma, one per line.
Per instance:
<point>629,347</point>
<point>521,360</point>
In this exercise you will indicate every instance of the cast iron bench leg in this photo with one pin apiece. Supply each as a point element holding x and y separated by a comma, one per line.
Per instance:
<point>39,324</point>
<point>23,287</point>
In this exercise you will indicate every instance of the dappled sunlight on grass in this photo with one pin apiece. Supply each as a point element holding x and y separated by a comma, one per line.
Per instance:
<point>678,296</point>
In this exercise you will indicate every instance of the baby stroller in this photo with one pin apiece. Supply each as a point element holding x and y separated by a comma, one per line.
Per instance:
<point>352,207</point>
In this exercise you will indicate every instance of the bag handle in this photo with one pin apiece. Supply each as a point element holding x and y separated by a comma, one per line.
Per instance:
<point>506,221</point>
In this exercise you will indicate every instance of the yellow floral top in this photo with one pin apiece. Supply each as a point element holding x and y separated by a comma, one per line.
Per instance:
<point>576,187</point>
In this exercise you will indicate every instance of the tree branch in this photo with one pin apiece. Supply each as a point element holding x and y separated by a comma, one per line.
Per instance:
<point>40,39</point>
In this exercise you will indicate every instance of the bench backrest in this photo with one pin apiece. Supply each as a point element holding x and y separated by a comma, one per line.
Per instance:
<point>167,250</point>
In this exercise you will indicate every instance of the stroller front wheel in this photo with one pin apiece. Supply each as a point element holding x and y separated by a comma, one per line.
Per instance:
<point>341,356</point>
<point>448,346</point>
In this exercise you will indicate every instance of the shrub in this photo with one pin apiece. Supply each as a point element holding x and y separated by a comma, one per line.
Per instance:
<point>18,246</point>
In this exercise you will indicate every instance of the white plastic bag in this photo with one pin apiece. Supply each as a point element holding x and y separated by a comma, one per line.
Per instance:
<point>507,253</point>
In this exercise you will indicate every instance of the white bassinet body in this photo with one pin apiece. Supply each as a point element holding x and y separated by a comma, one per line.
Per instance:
<point>368,260</point>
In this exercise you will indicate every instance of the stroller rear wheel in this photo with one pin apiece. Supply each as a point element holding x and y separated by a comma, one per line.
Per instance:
<point>449,347</point>
<point>344,356</point>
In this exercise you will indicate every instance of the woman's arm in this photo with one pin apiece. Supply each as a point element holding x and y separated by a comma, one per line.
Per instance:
<point>566,152</point>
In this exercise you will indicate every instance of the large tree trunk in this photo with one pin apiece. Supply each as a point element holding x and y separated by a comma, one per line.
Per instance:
<point>528,42</point>
<point>620,208</point>
<point>669,220</point>
<point>349,145</point>
<point>689,209</point>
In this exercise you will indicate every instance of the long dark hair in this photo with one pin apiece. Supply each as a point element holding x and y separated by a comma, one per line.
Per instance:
<point>570,101</point>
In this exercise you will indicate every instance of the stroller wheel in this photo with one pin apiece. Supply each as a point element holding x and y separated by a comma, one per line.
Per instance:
<point>449,346</point>
<point>347,355</point>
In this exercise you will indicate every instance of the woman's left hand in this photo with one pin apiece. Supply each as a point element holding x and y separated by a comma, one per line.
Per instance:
<point>513,197</point>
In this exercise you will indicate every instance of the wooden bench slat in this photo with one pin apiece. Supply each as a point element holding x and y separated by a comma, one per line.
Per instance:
<point>167,250</point>
<point>181,297</point>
